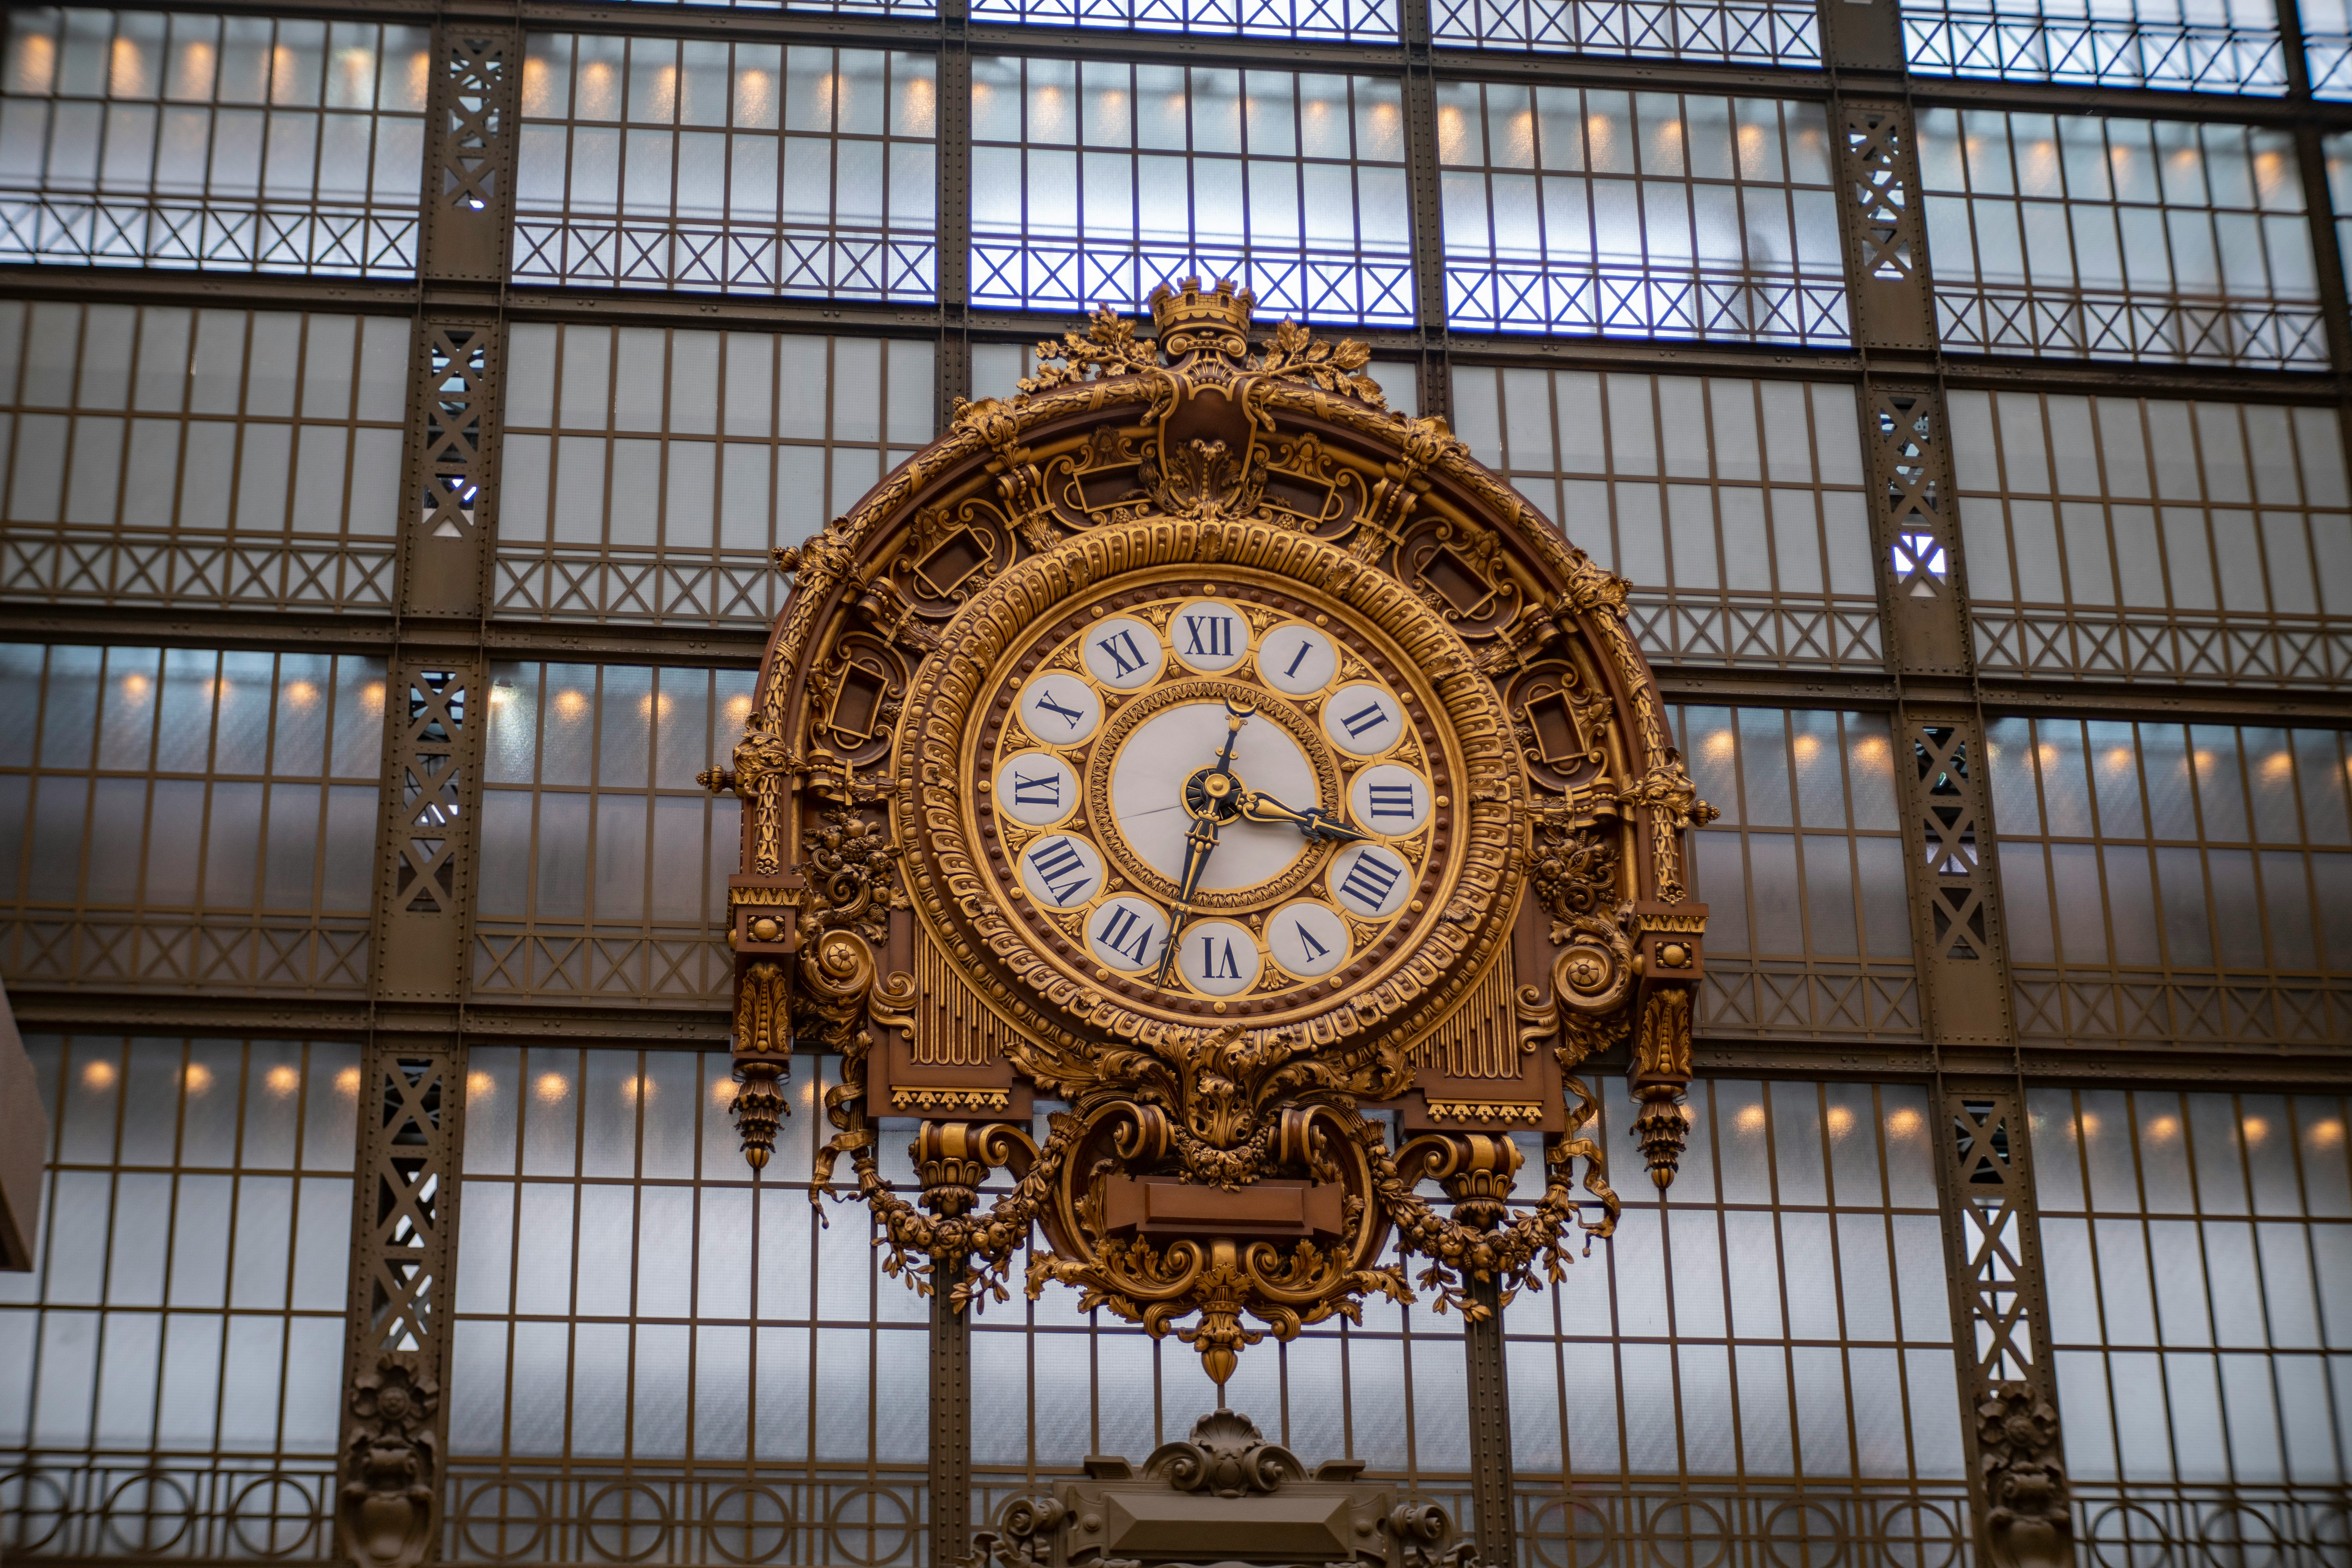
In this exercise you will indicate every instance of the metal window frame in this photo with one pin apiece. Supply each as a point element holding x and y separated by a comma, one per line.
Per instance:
<point>416,1025</point>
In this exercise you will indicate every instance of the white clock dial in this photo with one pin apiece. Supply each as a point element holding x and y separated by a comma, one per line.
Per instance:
<point>1306,938</point>
<point>1297,661</point>
<point>1363,719</point>
<point>1127,933</point>
<point>1370,881</point>
<point>1147,794</point>
<point>1386,798</point>
<point>1059,709</point>
<point>1036,789</point>
<point>1209,635</point>
<point>1061,872</point>
<point>1123,653</point>
<point>1219,957</point>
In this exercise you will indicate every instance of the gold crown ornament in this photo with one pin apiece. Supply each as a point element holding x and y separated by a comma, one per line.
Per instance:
<point>1191,322</point>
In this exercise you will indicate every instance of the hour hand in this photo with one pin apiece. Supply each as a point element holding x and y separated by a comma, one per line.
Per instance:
<point>1318,828</point>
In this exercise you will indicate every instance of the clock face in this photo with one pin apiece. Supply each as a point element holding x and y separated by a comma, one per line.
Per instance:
<point>1212,798</point>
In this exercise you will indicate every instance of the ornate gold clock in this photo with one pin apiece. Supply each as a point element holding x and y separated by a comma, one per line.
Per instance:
<point>1196,745</point>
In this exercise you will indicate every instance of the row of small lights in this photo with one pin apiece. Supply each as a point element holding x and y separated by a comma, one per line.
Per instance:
<point>553,1088</point>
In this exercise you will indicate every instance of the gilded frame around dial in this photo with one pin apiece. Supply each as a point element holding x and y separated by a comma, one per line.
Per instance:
<point>1468,890</point>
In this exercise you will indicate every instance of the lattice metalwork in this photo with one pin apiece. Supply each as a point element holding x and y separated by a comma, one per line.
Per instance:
<point>604,864</point>
<point>2006,1375</point>
<point>136,139</point>
<point>1095,183</point>
<point>427,860</point>
<point>450,460</point>
<point>1948,798</point>
<point>2229,48</point>
<point>397,1339</point>
<point>646,474</point>
<point>1354,21</point>
<point>2197,1253</point>
<point>169,1390</point>
<point>2141,240</point>
<point>2177,883</point>
<point>1910,441</point>
<point>470,157</point>
<point>1577,210</point>
<point>186,820</point>
<point>732,167</point>
<point>1753,32</point>
<point>2123,537</point>
<point>2327,48</point>
<point>167,454</point>
<point>1808,935</point>
<point>1737,507</point>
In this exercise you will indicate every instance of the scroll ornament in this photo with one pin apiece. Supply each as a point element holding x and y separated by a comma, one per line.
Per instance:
<point>386,1507</point>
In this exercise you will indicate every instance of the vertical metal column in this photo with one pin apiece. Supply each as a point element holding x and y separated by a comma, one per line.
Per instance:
<point>413,1065</point>
<point>1493,1524</point>
<point>1999,1307</point>
<point>2007,1389</point>
<point>952,266</point>
<point>2326,247</point>
<point>951,1455</point>
<point>1434,373</point>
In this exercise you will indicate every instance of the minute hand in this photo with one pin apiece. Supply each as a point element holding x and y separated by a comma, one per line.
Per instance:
<point>1258,806</point>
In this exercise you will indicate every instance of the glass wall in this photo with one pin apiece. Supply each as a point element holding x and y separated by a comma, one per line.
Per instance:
<point>1639,214</point>
<point>138,138</point>
<point>171,1373</point>
<point>603,863</point>
<point>1094,183</point>
<point>2140,538</point>
<point>1735,507</point>
<point>646,472</point>
<point>1809,926</point>
<point>2174,883</point>
<point>188,820</point>
<point>737,167</point>
<point>2145,239</point>
<point>1763,1354</point>
<point>161,454</point>
<point>2199,1255</point>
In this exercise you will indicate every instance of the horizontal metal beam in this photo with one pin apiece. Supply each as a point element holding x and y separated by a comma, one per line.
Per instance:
<point>138,626</point>
<point>157,1012</point>
<point>1871,691</point>
<point>171,286</point>
<point>686,310</point>
<point>652,1026</point>
<point>733,648</point>
<point>1206,48</point>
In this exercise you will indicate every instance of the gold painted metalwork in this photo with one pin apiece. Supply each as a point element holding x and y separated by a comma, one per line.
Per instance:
<point>1214,1174</point>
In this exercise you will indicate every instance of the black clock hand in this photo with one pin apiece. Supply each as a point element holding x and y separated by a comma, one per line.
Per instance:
<point>1199,840</point>
<point>1317,825</point>
<point>1214,788</point>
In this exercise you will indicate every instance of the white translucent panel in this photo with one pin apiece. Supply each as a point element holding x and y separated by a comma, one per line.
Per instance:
<point>1293,187</point>
<point>816,173</point>
<point>237,169</point>
<point>2118,238</point>
<point>2053,504</point>
<point>1756,32</point>
<point>585,516</point>
<point>1727,229</point>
